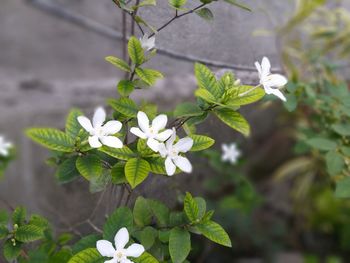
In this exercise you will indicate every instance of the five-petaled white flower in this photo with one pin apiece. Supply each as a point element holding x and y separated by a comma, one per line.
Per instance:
<point>147,42</point>
<point>230,153</point>
<point>101,133</point>
<point>5,147</point>
<point>270,82</point>
<point>171,152</point>
<point>152,132</point>
<point>119,254</point>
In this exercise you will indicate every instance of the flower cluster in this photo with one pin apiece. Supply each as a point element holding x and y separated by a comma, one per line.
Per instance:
<point>159,139</point>
<point>162,140</point>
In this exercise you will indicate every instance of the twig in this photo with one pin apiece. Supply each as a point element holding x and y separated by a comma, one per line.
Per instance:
<point>177,16</point>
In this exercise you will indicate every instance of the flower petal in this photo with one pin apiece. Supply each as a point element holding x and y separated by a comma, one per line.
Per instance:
<point>276,80</point>
<point>112,141</point>
<point>138,132</point>
<point>258,67</point>
<point>112,127</point>
<point>184,144</point>
<point>135,250</point>
<point>162,150</point>
<point>143,121</point>
<point>183,163</point>
<point>105,248</point>
<point>94,142</point>
<point>169,143</point>
<point>153,144</point>
<point>99,117</point>
<point>113,260</point>
<point>121,238</point>
<point>275,92</point>
<point>169,166</point>
<point>163,136</point>
<point>159,122</point>
<point>265,67</point>
<point>85,123</point>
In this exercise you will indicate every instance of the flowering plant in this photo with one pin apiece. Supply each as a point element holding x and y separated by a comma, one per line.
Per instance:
<point>135,142</point>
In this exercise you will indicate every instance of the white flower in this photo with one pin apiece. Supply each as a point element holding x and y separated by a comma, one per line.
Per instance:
<point>101,133</point>
<point>171,151</point>
<point>230,153</point>
<point>152,132</point>
<point>119,254</point>
<point>270,82</point>
<point>5,147</point>
<point>147,42</point>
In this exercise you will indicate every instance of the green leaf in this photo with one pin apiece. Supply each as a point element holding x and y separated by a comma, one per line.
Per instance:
<point>148,236</point>
<point>187,109</point>
<point>335,163</point>
<point>157,165</point>
<point>136,171</point>
<point>234,119</point>
<point>4,217</point>
<point>72,125</point>
<point>19,215</point>
<point>120,153</point>
<point>51,138</point>
<point>206,80</point>
<point>147,3</point>
<point>29,233</point>
<point>345,150</point>
<point>135,50</point>
<point>291,103</point>
<point>190,207</point>
<point>205,95</point>
<point>99,183</point>
<point>160,212</point>
<point>342,189</point>
<point>125,87</point>
<point>121,217</point>
<point>248,98</point>
<point>89,255</point>
<point>118,174</point>
<point>177,3</point>
<point>205,13</point>
<point>145,258</point>
<point>201,142</point>
<point>67,171</point>
<point>202,207</point>
<point>121,64</point>
<point>342,129</point>
<point>142,212</point>
<point>3,231</point>
<point>89,166</point>
<point>149,76</point>
<point>86,242</point>
<point>179,244</point>
<point>39,221</point>
<point>322,144</point>
<point>177,219</point>
<point>10,251</point>
<point>215,233</point>
<point>125,106</point>
<point>234,2</point>
<point>143,148</point>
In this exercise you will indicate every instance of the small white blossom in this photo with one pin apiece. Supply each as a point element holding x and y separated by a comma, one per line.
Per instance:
<point>171,152</point>
<point>147,42</point>
<point>5,147</point>
<point>119,254</point>
<point>230,153</point>
<point>270,82</point>
<point>100,134</point>
<point>152,132</point>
